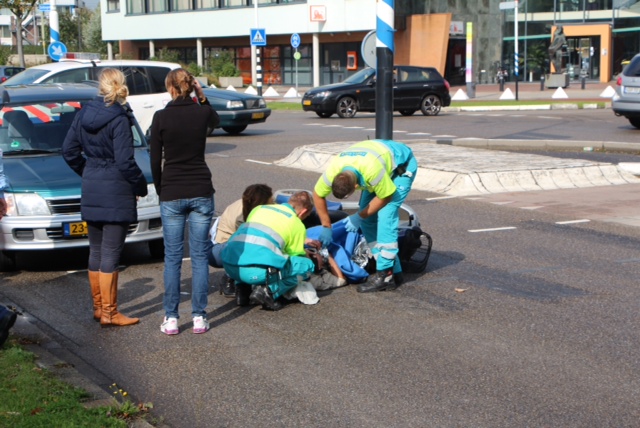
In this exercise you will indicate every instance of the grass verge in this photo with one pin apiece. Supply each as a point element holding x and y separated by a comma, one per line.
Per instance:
<point>33,397</point>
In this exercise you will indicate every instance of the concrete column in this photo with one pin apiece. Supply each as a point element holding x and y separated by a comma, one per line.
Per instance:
<point>199,52</point>
<point>316,59</point>
<point>152,49</point>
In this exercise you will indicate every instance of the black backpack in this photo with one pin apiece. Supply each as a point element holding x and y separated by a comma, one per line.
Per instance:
<point>414,249</point>
<point>7,319</point>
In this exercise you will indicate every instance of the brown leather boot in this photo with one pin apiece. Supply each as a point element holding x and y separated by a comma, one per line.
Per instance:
<point>109,293</point>
<point>94,281</point>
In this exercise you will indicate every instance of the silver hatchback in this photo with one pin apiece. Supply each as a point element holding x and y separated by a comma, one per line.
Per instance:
<point>626,101</point>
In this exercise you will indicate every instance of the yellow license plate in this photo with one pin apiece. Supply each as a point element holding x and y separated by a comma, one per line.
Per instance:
<point>257,116</point>
<point>306,103</point>
<point>73,230</point>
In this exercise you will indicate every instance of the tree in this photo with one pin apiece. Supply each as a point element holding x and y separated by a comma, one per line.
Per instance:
<point>92,34</point>
<point>21,9</point>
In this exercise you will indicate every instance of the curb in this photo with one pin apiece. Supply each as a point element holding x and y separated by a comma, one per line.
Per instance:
<point>37,343</point>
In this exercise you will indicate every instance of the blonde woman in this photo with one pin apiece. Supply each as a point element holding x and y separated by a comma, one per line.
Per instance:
<point>111,183</point>
<point>183,182</point>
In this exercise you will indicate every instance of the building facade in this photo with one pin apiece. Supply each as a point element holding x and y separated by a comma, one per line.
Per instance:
<point>600,34</point>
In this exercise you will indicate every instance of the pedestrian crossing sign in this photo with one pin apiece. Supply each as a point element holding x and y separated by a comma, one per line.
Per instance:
<point>258,37</point>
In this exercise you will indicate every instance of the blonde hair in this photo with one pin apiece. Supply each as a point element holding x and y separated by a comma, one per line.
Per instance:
<point>113,86</point>
<point>180,83</point>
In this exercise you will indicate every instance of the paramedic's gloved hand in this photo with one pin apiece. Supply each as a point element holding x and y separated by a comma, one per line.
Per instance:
<point>326,236</point>
<point>353,222</point>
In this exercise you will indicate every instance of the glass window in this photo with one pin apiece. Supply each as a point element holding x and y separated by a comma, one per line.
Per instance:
<point>136,6</point>
<point>157,75</point>
<point>181,5</point>
<point>158,6</point>
<point>137,80</point>
<point>113,5</point>
<point>234,3</point>
<point>5,31</point>
<point>206,4</point>
<point>76,75</point>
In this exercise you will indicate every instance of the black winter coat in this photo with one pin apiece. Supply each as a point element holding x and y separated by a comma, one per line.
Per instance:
<point>111,179</point>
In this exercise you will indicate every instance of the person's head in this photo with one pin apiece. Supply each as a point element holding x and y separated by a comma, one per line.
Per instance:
<point>344,184</point>
<point>112,86</point>
<point>301,203</point>
<point>179,83</point>
<point>254,195</point>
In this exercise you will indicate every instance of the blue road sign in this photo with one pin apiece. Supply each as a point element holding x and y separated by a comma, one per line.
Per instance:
<point>258,37</point>
<point>57,50</point>
<point>44,7</point>
<point>295,40</point>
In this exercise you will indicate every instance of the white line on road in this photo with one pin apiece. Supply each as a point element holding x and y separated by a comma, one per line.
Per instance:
<point>445,136</point>
<point>220,156</point>
<point>440,197</point>
<point>502,203</point>
<point>333,126</point>
<point>401,132</point>
<point>354,127</point>
<point>495,229</point>
<point>530,208</point>
<point>584,220</point>
<point>260,162</point>
<point>314,124</point>
<point>418,133</point>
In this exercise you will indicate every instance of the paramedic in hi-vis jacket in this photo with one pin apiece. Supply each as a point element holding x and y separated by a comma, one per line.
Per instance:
<point>384,170</point>
<point>266,254</point>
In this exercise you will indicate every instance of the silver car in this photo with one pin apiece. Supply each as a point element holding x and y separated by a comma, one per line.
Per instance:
<point>626,101</point>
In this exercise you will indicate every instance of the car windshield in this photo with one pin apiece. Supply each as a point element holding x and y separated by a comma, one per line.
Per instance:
<point>361,76</point>
<point>41,128</point>
<point>26,77</point>
<point>633,69</point>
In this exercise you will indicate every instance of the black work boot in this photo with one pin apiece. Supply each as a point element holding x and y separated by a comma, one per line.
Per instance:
<point>227,286</point>
<point>243,291</point>
<point>379,281</point>
<point>261,295</point>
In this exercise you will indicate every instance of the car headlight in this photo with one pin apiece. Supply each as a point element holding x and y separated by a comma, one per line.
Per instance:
<point>151,200</point>
<point>322,94</point>
<point>262,103</point>
<point>235,104</point>
<point>26,204</point>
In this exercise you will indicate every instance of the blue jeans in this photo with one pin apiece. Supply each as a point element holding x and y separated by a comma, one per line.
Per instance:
<point>198,212</point>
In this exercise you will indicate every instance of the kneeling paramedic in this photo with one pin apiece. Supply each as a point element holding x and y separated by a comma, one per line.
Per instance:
<point>267,252</point>
<point>384,170</point>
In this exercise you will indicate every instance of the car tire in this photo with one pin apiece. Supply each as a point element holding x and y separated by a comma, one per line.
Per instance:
<point>324,114</point>
<point>233,130</point>
<point>431,105</point>
<point>156,248</point>
<point>347,107</point>
<point>7,261</point>
<point>635,121</point>
<point>407,112</point>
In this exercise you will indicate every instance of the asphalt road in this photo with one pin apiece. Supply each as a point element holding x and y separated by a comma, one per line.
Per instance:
<point>523,318</point>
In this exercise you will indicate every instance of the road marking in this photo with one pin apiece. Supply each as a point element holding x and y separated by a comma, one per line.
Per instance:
<point>418,133</point>
<point>314,124</point>
<point>530,208</point>
<point>584,220</point>
<point>220,156</point>
<point>502,203</point>
<point>445,136</point>
<point>333,126</point>
<point>440,198</point>
<point>370,129</point>
<point>260,162</point>
<point>401,132</point>
<point>479,198</point>
<point>495,229</point>
<point>354,127</point>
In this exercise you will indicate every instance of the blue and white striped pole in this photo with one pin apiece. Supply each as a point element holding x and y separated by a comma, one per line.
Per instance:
<point>384,69</point>
<point>54,27</point>
<point>516,67</point>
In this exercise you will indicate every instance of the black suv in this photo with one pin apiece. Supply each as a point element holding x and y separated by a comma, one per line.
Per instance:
<point>414,88</point>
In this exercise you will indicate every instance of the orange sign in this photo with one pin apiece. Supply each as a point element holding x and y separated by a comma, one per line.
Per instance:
<point>318,13</point>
